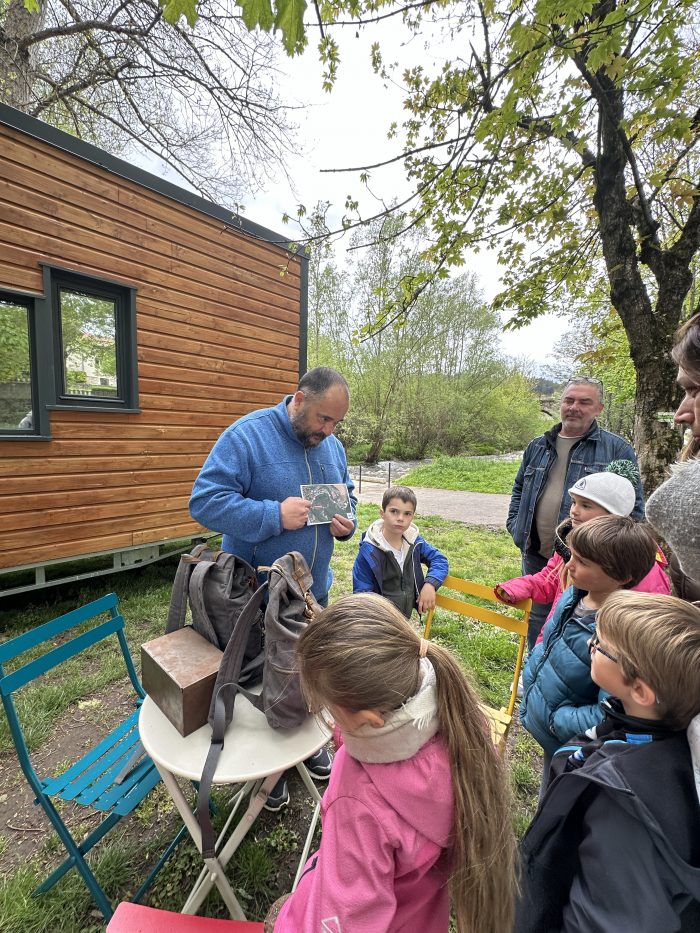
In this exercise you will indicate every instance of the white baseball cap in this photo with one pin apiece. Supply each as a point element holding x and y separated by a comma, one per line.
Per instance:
<point>613,492</point>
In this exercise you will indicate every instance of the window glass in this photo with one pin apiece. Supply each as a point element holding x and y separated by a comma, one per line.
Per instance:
<point>16,404</point>
<point>88,343</point>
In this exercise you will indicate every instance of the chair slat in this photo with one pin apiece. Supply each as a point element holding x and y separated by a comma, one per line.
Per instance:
<point>102,775</point>
<point>130,801</point>
<point>499,720</point>
<point>49,630</point>
<point>480,590</point>
<point>54,786</point>
<point>483,614</point>
<point>24,675</point>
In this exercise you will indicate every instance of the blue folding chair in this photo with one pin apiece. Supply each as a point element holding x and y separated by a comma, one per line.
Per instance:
<point>112,777</point>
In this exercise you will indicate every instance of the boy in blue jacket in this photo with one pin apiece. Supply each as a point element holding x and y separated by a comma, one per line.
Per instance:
<point>560,698</point>
<point>392,553</point>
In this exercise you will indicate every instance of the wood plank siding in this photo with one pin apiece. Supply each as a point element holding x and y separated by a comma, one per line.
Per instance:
<point>219,328</point>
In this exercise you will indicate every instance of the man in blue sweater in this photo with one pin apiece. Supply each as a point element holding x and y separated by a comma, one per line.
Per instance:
<point>249,489</point>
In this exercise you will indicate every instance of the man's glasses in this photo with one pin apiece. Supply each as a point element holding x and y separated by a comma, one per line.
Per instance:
<point>594,645</point>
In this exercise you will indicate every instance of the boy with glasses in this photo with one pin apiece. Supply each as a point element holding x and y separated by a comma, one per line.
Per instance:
<point>615,845</point>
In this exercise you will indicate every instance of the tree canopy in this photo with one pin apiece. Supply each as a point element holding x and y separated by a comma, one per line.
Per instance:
<point>193,89</point>
<point>441,384</point>
<point>563,135</point>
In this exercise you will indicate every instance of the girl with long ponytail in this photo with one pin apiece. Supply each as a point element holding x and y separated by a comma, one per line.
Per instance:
<point>416,817</point>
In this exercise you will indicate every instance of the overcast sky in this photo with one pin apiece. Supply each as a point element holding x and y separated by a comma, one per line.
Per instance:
<point>348,127</point>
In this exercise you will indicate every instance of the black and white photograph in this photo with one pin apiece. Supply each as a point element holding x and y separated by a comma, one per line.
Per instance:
<point>327,500</point>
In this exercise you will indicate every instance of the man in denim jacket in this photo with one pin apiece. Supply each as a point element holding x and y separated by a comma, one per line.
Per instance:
<point>552,464</point>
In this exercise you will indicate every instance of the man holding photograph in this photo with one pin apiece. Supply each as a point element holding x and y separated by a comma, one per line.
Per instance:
<point>249,489</point>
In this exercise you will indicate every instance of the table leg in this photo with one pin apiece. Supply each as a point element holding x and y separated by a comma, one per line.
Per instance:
<point>194,901</point>
<point>214,873</point>
<point>308,783</point>
<point>313,790</point>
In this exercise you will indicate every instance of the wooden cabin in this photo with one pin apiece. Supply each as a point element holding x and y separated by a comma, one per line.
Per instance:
<point>137,321</point>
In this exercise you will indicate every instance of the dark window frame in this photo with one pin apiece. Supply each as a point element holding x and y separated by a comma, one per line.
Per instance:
<point>40,364</point>
<point>124,298</point>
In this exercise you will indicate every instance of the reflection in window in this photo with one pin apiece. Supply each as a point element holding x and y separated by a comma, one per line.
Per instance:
<point>88,343</point>
<point>16,406</point>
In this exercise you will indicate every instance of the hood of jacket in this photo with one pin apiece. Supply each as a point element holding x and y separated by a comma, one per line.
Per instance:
<point>428,768</point>
<point>375,532</point>
<point>407,752</point>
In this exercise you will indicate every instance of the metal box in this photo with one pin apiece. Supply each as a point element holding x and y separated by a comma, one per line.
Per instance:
<point>178,671</point>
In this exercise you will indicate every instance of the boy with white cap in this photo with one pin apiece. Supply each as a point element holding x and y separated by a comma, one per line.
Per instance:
<point>611,492</point>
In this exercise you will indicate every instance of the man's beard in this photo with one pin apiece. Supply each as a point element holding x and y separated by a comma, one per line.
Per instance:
<point>306,437</point>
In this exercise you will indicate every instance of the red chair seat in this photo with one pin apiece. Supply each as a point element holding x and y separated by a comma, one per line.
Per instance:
<point>135,918</point>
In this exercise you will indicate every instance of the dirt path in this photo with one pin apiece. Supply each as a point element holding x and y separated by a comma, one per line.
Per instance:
<point>472,508</point>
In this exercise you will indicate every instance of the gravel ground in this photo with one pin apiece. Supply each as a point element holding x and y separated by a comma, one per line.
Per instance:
<point>472,508</point>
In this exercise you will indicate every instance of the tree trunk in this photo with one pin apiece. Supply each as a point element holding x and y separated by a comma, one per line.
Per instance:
<point>17,62</point>
<point>375,446</point>
<point>649,329</point>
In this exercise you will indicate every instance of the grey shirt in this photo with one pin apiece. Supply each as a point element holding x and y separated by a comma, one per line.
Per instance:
<point>547,510</point>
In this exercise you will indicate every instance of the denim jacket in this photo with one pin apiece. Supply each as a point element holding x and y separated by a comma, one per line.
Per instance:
<point>591,454</point>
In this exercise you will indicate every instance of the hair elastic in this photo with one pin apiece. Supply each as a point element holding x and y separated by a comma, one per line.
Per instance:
<point>423,650</point>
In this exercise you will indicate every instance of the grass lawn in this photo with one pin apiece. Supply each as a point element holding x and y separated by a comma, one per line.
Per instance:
<point>471,474</point>
<point>475,553</point>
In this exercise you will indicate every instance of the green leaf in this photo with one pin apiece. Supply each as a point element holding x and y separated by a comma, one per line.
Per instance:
<point>173,10</point>
<point>290,20</point>
<point>257,13</point>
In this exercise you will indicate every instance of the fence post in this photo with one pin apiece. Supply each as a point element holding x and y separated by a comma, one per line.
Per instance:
<point>359,489</point>
<point>390,473</point>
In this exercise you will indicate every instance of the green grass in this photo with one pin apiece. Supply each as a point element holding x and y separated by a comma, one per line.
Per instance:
<point>488,654</point>
<point>465,473</point>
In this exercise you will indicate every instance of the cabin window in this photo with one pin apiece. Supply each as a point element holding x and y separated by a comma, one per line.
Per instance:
<point>94,342</point>
<point>18,401</point>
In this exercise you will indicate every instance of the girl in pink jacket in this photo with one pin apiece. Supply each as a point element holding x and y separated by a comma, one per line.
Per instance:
<point>417,808</point>
<point>606,493</point>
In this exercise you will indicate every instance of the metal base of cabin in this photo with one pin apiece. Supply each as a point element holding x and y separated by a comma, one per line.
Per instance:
<point>125,559</point>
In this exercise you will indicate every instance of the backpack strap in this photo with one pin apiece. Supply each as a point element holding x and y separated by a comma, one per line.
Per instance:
<point>221,712</point>
<point>201,622</point>
<point>181,585</point>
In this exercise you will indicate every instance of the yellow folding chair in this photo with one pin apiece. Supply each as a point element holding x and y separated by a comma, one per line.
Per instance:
<point>499,720</point>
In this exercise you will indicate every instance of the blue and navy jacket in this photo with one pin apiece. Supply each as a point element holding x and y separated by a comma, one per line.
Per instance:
<point>559,697</point>
<point>370,567</point>
<point>591,454</point>
<point>256,464</point>
<point>615,843</point>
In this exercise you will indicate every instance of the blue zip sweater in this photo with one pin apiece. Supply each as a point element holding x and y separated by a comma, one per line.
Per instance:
<point>560,698</point>
<point>257,463</point>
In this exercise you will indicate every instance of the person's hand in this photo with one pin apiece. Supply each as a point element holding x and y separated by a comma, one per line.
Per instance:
<point>295,512</point>
<point>273,913</point>
<point>426,598</point>
<point>341,526</point>
<point>501,594</point>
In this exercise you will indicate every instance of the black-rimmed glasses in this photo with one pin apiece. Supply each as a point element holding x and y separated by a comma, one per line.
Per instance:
<point>594,645</point>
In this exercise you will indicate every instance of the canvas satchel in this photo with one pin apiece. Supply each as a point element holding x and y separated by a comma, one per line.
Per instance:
<point>218,587</point>
<point>290,607</point>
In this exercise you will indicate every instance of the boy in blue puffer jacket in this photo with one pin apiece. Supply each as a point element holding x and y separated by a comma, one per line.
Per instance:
<point>559,697</point>
<point>392,553</point>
